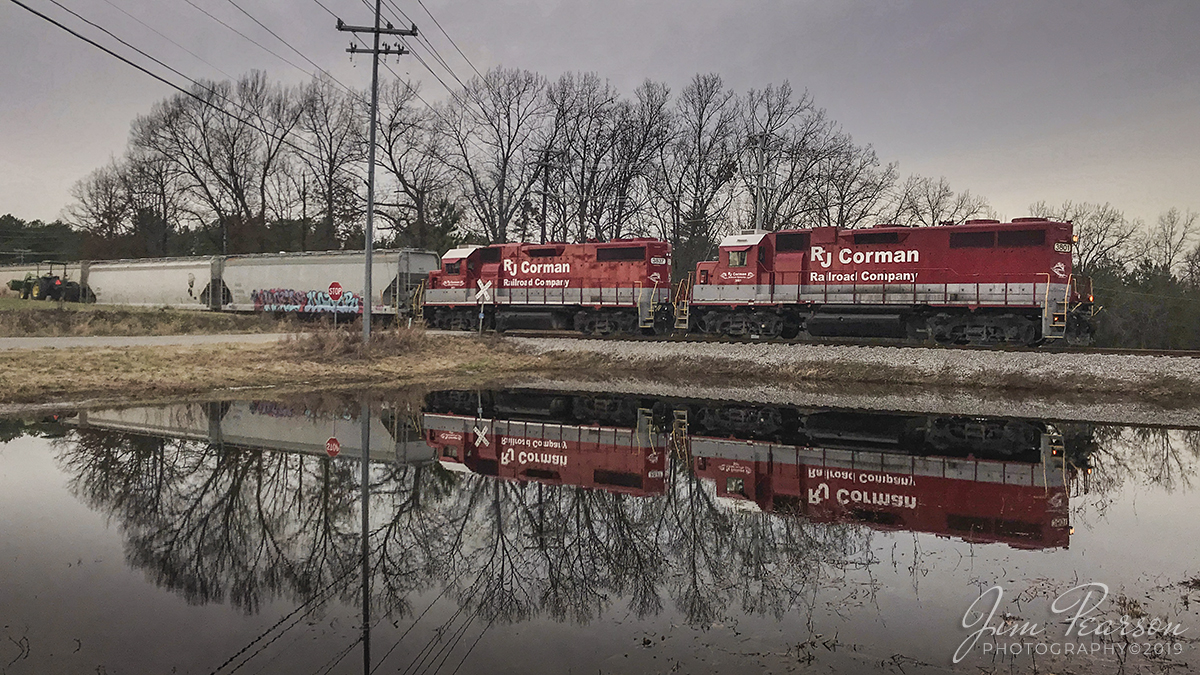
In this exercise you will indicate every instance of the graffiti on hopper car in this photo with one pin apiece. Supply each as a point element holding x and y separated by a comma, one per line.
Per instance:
<point>291,300</point>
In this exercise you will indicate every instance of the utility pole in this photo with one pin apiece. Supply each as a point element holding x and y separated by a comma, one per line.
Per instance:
<point>375,52</point>
<point>545,187</point>
<point>759,143</point>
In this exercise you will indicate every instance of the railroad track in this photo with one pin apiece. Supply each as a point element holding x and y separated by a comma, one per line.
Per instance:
<point>858,342</point>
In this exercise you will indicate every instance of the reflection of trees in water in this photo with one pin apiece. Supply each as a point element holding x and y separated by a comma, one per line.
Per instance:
<point>510,551</point>
<point>217,524</point>
<point>1125,457</point>
<point>247,526</point>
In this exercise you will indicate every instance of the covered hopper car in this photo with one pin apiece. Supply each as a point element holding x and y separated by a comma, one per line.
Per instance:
<point>314,283</point>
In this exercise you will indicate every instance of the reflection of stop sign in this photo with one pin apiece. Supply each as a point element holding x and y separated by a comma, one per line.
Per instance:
<point>332,447</point>
<point>335,291</point>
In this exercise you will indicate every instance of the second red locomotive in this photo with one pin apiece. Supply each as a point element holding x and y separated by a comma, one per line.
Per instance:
<point>620,286</point>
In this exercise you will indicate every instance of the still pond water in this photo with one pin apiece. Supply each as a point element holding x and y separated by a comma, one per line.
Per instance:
<point>528,531</point>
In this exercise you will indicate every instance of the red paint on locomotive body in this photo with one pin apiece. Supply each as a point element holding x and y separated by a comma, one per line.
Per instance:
<point>1024,251</point>
<point>617,264</point>
<point>606,458</point>
<point>1021,504</point>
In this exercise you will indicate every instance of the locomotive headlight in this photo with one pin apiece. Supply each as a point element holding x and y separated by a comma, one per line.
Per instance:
<point>1075,238</point>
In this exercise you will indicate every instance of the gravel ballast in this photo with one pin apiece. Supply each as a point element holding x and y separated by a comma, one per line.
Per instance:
<point>1161,383</point>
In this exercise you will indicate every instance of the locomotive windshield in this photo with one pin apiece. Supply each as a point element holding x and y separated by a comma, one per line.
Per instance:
<point>623,253</point>
<point>1014,238</point>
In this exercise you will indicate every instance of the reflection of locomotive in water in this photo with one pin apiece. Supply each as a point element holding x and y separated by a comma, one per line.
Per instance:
<point>979,479</point>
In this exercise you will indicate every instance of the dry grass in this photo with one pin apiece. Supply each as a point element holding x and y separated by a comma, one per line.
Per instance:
<point>69,320</point>
<point>345,341</point>
<point>327,361</point>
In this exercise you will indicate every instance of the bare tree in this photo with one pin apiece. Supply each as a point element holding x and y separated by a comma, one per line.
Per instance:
<point>152,189</point>
<point>923,201</point>
<point>786,141</point>
<point>413,153</point>
<point>1167,244</point>
<point>495,126</point>
<point>643,127</point>
<point>227,146</point>
<point>333,125</point>
<point>696,169</point>
<point>1106,237</point>
<point>101,205</point>
<point>852,186</point>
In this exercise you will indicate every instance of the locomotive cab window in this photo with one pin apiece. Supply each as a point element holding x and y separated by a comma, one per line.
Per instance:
<point>791,241</point>
<point>623,253</point>
<point>454,267</point>
<point>737,258</point>
<point>1014,238</point>
<point>876,238</point>
<point>972,239</point>
<point>489,255</point>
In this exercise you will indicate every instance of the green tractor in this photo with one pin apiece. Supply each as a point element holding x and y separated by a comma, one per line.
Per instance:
<point>47,285</point>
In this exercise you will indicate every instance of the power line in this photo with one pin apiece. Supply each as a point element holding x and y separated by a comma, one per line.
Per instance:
<point>460,51</point>
<point>425,40</point>
<point>185,92</point>
<point>289,45</point>
<point>118,39</point>
<point>248,38</point>
<point>407,84</point>
<point>168,39</point>
<point>418,56</point>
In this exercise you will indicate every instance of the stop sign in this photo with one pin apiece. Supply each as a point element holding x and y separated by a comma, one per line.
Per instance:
<point>332,447</point>
<point>335,291</point>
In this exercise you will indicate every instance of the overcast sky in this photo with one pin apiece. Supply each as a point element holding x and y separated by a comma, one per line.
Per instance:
<point>1015,100</point>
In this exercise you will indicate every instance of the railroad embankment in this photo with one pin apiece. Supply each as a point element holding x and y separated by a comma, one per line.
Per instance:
<point>333,360</point>
<point>1162,380</point>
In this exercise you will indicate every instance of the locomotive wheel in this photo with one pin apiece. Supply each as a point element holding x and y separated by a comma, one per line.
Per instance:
<point>584,323</point>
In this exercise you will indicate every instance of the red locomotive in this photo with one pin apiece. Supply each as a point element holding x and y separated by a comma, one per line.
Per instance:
<point>607,458</point>
<point>984,282</point>
<point>620,286</point>
<point>1019,503</point>
<point>979,479</point>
